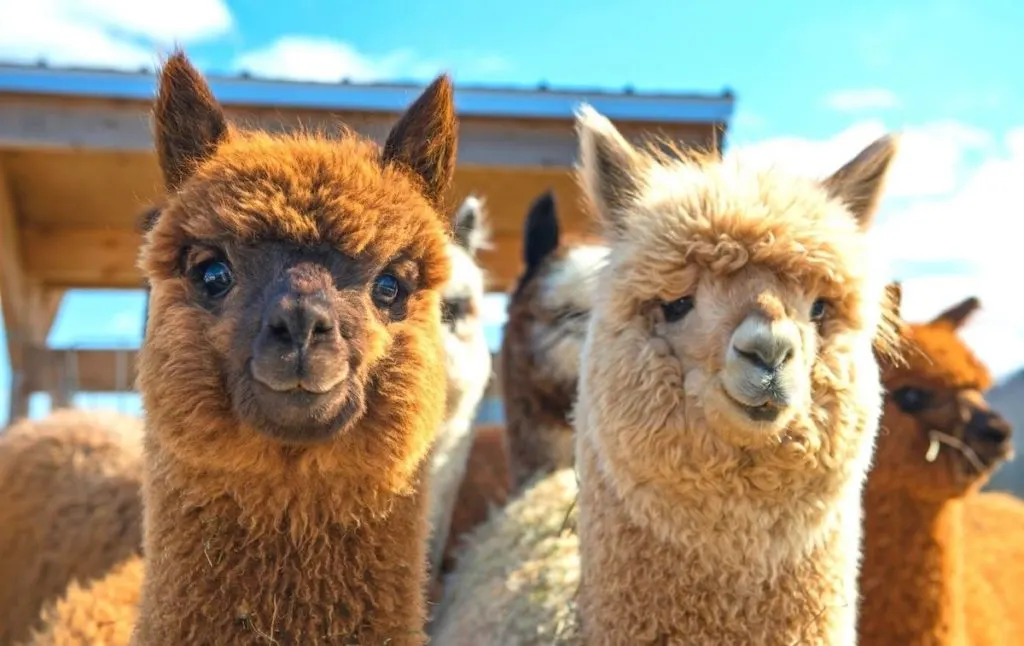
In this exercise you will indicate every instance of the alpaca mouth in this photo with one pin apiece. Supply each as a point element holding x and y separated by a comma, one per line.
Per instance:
<point>981,461</point>
<point>299,416</point>
<point>766,411</point>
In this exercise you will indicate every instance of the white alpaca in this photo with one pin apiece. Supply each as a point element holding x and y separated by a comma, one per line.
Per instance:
<point>469,369</point>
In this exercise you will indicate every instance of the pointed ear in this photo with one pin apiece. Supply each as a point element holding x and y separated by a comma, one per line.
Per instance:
<point>189,121</point>
<point>470,226</point>
<point>894,290</point>
<point>425,138</point>
<point>860,182</point>
<point>612,172</point>
<point>960,313</point>
<point>540,235</point>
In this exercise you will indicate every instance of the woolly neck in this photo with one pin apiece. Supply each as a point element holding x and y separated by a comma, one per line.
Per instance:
<point>911,579</point>
<point>638,588</point>
<point>218,572</point>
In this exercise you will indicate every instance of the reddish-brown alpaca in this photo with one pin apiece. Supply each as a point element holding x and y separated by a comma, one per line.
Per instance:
<point>939,442</point>
<point>293,375</point>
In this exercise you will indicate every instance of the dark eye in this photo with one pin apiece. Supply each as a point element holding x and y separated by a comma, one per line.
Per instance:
<point>818,310</point>
<point>677,309</point>
<point>215,277</point>
<point>385,290</point>
<point>911,399</point>
<point>454,308</point>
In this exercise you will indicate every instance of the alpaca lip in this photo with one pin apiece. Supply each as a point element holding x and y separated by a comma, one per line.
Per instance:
<point>766,412</point>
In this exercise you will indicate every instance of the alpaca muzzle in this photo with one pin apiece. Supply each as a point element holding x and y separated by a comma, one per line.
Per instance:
<point>760,373</point>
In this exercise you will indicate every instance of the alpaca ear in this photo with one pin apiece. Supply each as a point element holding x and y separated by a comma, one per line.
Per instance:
<point>960,313</point>
<point>470,226</point>
<point>894,291</point>
<point>611,170</point>
<point>189,122</point>
<point>540,236</point>
<point>425,139</point>
<point>860,182</point>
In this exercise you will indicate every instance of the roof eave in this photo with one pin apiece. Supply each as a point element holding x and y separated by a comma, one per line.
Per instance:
<point>384,98</point>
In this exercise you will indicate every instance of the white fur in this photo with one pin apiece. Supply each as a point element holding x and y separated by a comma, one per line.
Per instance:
<point>469,371</point>
<point>569,285</point>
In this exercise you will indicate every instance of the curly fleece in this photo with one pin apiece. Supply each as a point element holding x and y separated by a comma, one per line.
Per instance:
<point>70,509</point>
<point>246,538</point>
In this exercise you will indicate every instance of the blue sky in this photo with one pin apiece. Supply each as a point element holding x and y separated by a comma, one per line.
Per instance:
<point>814,81</point>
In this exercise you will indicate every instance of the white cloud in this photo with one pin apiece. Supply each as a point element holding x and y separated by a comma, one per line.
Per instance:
<point>104,33</point>
<point>947,223</point>
<point>326,60</point>
<point>858,100</point>
<point>931,162</point>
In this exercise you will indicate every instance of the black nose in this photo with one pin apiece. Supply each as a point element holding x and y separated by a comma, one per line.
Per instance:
<point>987,426</point>
<point>299,320</point>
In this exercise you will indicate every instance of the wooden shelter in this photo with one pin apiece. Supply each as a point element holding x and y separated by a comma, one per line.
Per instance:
<point>77,167</point>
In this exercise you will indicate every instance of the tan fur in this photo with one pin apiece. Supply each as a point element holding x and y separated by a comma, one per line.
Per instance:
<point>698,525</point>
<point>70,507</point>
<point>994,533</point>
<point>265,518</point>
<point>916,552</point>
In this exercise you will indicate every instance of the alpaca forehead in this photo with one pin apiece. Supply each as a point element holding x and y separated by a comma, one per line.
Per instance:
<point>709,213</point>
<point>571,279</point>
<point>310,190</point>
<point>937,355</point>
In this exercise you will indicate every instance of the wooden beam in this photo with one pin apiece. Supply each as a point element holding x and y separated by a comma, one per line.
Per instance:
<point>40,122</point>
<point>83,258</point>
<point>14,300</point>
<point>85,370</point>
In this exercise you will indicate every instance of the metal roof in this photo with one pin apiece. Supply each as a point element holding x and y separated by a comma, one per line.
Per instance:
<point>524,103</point>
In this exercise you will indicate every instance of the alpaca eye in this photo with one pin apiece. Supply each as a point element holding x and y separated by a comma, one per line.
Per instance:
<point>385,290</point>
<point>911,399</point>
<point>454,309</point>
<point>215,277</point>
<point>819,309</point>
<point>677,309</point>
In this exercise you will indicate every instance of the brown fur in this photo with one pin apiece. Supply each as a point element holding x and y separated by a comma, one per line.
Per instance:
<point>70,507</point>
<point>994,533</point>
<point>547,314</point>
<point>698,522</point>
<point>913,574</point>
<point>267,518</point>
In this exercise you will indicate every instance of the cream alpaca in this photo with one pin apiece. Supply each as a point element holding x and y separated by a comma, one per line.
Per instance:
<point>728,404</point>
<point>469,370</point>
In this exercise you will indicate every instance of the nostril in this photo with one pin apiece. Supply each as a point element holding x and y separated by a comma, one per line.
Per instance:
<point>279,330</point>
<point>992,434</point>
<point>322,328</point>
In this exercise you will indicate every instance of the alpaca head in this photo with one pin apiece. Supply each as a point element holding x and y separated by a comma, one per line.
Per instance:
<point>294,322</point>
<point>469,357</point>
<point>730,347</point>
<point>939,438</point>
<point>547,321</point>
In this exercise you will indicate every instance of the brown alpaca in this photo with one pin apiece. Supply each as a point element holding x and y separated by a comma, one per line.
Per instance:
<point>292,374</point>
<point>539,359</point>
<point>728,401</point>
<point>939,443</point>
<point>70,507</point>
<point>994,533</point>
